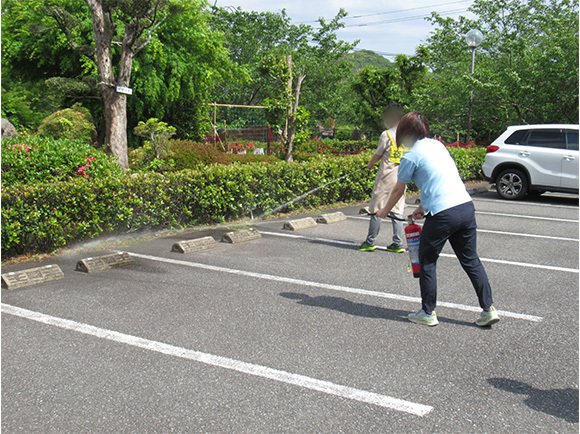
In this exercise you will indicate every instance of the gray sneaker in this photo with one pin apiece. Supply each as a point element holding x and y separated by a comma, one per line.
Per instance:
<point>487,318</point>
<point>422,317</point>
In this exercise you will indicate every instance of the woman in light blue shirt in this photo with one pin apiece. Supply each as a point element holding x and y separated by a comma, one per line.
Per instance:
<point>449,213</point>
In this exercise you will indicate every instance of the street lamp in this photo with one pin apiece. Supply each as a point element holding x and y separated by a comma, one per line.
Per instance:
<point>474,38</point>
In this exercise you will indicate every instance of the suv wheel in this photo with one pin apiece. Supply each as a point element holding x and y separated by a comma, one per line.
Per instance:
<point>511,184</point>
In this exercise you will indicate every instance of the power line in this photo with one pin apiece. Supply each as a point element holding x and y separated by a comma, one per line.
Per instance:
<point>402,19</point>
<point>395,12</point>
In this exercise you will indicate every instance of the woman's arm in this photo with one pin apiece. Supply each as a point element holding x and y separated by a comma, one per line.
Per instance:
<point>374,160</point>
<point>396,194</point>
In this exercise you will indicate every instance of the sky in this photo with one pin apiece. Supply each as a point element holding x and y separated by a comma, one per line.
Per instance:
<point>388,27</point>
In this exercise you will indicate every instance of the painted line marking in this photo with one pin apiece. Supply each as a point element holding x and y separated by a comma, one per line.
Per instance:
<point>446,255</point>
<point>515,234</point>
<point>552,219</point>
<point>225,362</point>
<point>525,203</point>
<point>328,286</point>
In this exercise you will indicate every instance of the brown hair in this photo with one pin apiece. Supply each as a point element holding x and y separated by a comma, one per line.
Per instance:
<point>412,127</point>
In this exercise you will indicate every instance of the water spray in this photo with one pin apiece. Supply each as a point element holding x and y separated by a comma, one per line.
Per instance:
<point>302,196</point>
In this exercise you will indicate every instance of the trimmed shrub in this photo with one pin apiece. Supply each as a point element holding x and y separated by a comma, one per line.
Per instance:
<point>39,217</point>
<point>41,159</point>
<point>42,217</point>
<point>468,162</point>
<point>183,154</point>
<point>71,123</point>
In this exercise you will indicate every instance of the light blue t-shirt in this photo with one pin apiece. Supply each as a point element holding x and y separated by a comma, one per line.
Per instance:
<point>430,166</point>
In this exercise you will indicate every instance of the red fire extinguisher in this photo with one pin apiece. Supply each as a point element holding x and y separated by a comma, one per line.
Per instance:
<point>413,236</point>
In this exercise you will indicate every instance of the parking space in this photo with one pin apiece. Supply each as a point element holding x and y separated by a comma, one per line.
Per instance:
<point>300,332</point>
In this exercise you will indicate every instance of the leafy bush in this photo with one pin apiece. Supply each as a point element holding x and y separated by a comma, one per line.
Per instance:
<point>468,162</point>
<point>71,123</point>
<point>41,159</point>
<point>326,146</point>
<point>182,154</point>
<point>158,134</point>
<point>42,217</point>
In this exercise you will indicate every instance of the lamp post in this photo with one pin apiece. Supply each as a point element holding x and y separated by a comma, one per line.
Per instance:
<point>474,38</point>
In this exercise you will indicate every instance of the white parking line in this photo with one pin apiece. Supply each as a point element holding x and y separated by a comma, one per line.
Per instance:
<point>533,217</point>
<point>515,234</point>
<point>513,202</point>
<point>225,362</point>
<point>321,285</point>
<point>446,255</point>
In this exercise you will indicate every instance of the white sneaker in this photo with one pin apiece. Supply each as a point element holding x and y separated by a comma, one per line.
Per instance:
<point>487,318</point>
<point>422,317</point>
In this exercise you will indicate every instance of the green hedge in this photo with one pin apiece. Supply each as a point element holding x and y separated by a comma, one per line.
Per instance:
<point>468,162</point>
<point>42,159</point>
<point>41,217</point>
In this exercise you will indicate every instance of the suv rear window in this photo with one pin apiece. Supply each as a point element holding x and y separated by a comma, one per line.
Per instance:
<point>516,138</point>
<point>546,139</point>
<point>572,138</point>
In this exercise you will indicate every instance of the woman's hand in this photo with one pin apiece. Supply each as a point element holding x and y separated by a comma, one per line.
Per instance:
<point>382,213</point>
<point>419,213</point>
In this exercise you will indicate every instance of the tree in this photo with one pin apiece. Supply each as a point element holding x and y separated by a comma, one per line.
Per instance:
<point>288,66</point>
<point>526,68</point>
<point>135,21</point>
<point>171,77</point>
<point>304,52</point>
<point>377,88</point>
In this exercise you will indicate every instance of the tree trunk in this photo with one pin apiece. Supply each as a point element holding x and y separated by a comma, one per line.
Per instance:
<point>291,119</point>
<point>290,129</point>
<point>116,114</point>
<point>115,104</point>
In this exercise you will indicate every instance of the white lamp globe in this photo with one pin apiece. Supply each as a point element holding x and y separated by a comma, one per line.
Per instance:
<point>474,38</point>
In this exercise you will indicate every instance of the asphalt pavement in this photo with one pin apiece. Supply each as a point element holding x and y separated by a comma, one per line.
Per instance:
<point>299,332</point>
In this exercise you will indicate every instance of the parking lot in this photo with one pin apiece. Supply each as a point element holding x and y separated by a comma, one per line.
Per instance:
<point>300,332</point>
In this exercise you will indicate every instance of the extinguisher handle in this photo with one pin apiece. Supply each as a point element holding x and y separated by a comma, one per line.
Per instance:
<point>392,216</point>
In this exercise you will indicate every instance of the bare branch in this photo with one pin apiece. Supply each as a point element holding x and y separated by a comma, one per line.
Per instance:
<point>64,24</point>
<point>150,33</point>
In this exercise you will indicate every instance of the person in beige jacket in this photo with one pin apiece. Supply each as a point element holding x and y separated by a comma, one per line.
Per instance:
<point>389,154</point>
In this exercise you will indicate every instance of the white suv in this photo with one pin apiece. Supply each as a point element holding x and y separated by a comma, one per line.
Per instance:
<point>533,159</point>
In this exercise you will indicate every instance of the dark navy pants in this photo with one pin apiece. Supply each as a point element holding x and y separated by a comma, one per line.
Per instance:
<point>457,225</point>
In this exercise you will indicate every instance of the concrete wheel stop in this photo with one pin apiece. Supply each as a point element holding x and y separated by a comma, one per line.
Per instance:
<point>297,225</point>
<point>241,235</point>
<point>105,262</point>
<point>32,276</point>
<point>330,218</point>
<point>195,245</point>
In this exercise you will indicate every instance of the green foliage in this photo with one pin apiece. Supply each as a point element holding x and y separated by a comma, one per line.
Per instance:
<point>71,123</point>
<point>183,154</point>
<point>361,58</point>
<point>259,42</point>
<point>526,69</point>
<point>42,216</point>
<point>377,88</point>
<point>468,162</point>
<point>171,78</point>
<point>158,134</point>
<point>34,160</point>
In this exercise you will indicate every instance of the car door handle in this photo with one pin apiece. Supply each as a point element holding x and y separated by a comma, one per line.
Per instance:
<point>525,154</point>
<point>569,158</point>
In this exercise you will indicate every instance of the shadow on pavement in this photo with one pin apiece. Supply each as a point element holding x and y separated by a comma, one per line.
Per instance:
<point>359,309</point>
<point>336,245</point>
<point>562,403</point>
